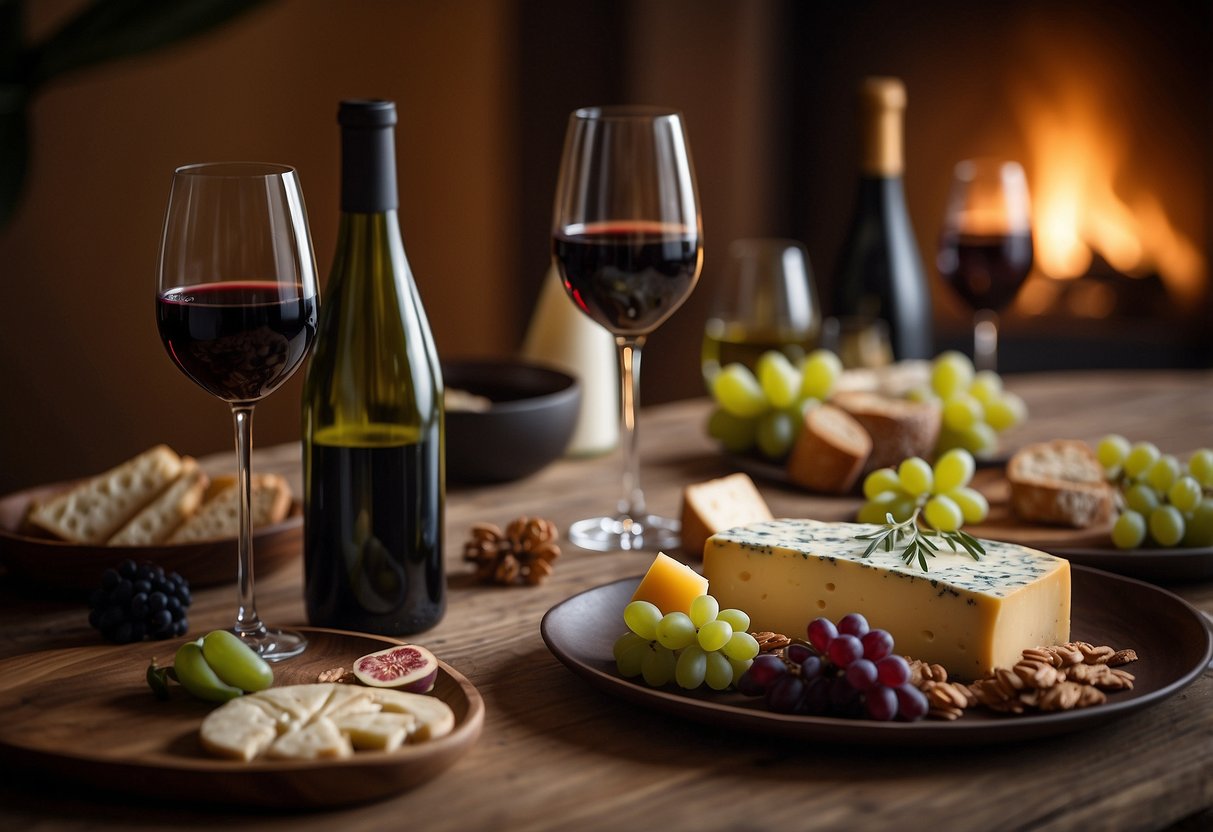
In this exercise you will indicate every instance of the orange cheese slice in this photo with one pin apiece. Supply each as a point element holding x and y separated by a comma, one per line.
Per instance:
<point>670,585</point>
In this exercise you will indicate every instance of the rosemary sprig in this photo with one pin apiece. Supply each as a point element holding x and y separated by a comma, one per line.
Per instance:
<point>916,542</point>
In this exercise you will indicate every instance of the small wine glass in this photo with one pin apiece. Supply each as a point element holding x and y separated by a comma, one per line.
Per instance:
<point>236,307</point>
<point>627,238</point>
<point>985,250</point>
<point>767,301</point>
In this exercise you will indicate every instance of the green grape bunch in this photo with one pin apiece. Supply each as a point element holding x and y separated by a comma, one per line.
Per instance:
<point>974,405</point>
<point>763,409</point>
<point>705,644</point>
<point>1160,501</point>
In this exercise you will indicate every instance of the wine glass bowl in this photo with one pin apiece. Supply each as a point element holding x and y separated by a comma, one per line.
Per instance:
<point>985,249</point>
<point>627,240</point>
<point>236,308</point>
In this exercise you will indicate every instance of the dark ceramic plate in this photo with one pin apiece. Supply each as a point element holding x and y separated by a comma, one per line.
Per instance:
<point>1148,564</point>
<point>1170,636</point>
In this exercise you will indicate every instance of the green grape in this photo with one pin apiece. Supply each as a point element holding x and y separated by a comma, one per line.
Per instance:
<point>796,414</point>
<point>1199,530</point>
<point>775,433</point>
<point>741,646</point>
<point>880,481</point>
<point>943,514</point>
<point>641,618</point>
<point>719,673</point>
<point>657,666</point>
<point>961,411</point>
<point>739,669</point>
<point>902,506</point>
<point>234,662</point>
<point>629,657</point>
<point>952,372</point>
<point>778,378</point>
<point>874,511</point>
<point>626,642</point>
<point>973,504</point>
<point>738,620</point>
<point>1166,525</point>
<point>1185,494</point>
<point>916,476</point>
<point>986,386</point>
<point>691,667</point>
<point>1129,530</point>
<point>1141,498</point>
<point>1007,411</point>
<point>1163,473</point>
<point>1200,466</point>
<point>1140,457</point>
<point>921,394</point>
<point>1112,450</point>
<point>704,609</point>
<point>738,392</point>
<point>675,630</point>
<point>714,635</point>
<point>954,469</point>
<point>819,374</point>
<point>733,432</point>
<point>980,439</point>
<point>197,677</point>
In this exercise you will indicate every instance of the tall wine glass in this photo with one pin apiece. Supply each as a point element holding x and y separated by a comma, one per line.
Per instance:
<point>627,238</point>
<point>236,306</point>
<point>985,250</point>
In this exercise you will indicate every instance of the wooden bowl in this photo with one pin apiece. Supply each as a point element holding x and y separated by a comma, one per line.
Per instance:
<point>77,568</point>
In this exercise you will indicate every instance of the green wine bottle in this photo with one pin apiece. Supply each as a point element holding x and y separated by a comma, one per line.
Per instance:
<point>373,433</point>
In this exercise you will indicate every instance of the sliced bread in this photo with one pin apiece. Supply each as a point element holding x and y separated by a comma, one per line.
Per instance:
<point>219,516</point>
<point>164,514</point>
<point>1060,483</point>
<point>899,428</point>
<point>830,452</point>
<point>94,510</point>
<point>716,505</point>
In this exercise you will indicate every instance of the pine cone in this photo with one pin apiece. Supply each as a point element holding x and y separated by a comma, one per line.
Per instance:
<point>522,554</point>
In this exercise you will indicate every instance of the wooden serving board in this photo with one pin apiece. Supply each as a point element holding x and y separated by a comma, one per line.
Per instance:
<point>1003,525</point>
<point>87,714</point>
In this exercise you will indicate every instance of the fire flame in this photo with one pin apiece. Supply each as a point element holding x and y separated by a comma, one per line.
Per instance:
<point>1084,202</point>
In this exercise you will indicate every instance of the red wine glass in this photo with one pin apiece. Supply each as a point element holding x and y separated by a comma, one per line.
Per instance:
<point>627,239</point>
<point>236,307</point>
<point>985,250</point>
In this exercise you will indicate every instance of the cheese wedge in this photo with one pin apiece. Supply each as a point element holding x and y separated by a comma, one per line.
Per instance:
<point>715,505</point>
<point>670,585</point>
<point>970,616</point>
<point>318,740</point>
<point>240,730</point>
<point>376,732</point>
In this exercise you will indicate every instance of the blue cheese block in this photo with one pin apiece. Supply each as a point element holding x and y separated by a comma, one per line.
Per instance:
<point>969,616</point>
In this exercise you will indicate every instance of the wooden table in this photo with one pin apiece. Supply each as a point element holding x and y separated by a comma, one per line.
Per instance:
<point>557,754</point>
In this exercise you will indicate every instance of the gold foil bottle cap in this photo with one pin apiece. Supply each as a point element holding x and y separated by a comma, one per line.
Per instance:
<point>882,104</point>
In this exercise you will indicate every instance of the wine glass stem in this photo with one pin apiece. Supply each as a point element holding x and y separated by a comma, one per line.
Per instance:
<point>985,340</point>
<point>632,504</point>
<point>248,623</point>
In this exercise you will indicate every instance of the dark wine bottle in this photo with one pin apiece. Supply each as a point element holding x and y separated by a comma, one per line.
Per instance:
<point>880,273</point>
<point>373,432</point>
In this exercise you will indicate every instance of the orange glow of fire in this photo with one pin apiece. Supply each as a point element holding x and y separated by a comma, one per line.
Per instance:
<point>1088,197</point>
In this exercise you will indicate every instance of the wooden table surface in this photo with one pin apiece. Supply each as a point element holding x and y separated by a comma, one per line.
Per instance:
<point>557,754</point>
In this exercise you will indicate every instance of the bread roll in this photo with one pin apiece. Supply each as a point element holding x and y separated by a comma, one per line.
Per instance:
<point>899,428</point>
<point>716,505</point>
<point>164,514</point>
<point>1060,483</point>
<point>830,452</point>
<point>94,510</point>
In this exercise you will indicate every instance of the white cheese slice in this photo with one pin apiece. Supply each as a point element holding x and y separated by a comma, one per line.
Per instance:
<point>240,730</point>
<point>375,732</point>
<point>318,740</point>
<point>970,616</point>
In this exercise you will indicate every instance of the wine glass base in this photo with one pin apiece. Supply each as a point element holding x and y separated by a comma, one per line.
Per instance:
<point>274,645</point>
<point>649,533</point>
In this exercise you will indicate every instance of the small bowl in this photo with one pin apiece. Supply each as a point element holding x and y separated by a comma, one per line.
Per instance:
<point>528,423</point>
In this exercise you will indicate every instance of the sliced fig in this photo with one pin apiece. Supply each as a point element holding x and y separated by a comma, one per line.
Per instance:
<point>407,667</point>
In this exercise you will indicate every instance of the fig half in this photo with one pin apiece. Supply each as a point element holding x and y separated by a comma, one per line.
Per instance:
<point>407,667</point>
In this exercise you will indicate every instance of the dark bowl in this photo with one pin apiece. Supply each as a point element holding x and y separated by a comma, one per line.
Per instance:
<point>529,423</point>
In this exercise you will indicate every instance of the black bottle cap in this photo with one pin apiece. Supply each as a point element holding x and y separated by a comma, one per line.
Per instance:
<point>368,155</point>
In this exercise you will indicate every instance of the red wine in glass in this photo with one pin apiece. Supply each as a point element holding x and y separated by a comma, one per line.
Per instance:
<point>238,341</point>
<point>628,276</point>
<point>985,270</point>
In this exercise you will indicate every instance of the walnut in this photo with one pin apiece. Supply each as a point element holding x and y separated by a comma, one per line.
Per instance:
<point>522,554</point>
<point>769,642</point>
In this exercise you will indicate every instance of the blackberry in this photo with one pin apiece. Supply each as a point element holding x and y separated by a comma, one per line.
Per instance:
<point>139,601</point>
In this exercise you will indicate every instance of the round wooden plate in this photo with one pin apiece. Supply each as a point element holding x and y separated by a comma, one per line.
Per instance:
<point>76,569</point>
<point>1171,637</point>
<point>87,714</point>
